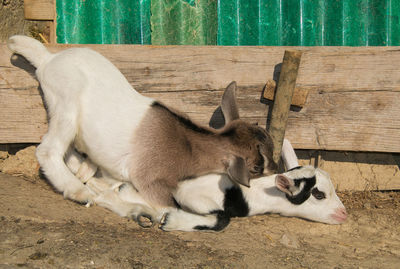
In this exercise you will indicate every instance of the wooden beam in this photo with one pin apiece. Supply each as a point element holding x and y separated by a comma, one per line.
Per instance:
<point>299,96</point>
<point>352,103</point>
<point>42,10</point>
<point>39,10</point>
<point>283,99</point>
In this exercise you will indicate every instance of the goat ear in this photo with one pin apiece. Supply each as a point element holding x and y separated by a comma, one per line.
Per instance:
<point>238,172</point>
<point>284,184</point>
<point>289,155</point>
<point>228,103</point>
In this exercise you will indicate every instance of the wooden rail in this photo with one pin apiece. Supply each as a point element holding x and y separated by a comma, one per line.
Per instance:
<point>353,93</point>
<point>42,10</point>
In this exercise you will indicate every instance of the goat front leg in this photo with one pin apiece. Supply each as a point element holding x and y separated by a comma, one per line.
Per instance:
<point>118,197</point>
<point>180,220</point>
<point>86,171</point>
<point>123,199</point>
<point>81,166</point>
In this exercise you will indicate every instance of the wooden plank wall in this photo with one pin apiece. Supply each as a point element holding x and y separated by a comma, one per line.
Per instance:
<point>353,101</point>
<point>42,10</point>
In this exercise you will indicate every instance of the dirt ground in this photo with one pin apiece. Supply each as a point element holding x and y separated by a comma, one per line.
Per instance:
<point>39,229</point>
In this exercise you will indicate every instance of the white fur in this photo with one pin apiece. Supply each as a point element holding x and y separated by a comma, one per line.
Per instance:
<point>80,86</point>
<point>288,155</point>
<point>92,108</point>
<point>179,220</point>
<point>201,196</point>
<point>262,196</point>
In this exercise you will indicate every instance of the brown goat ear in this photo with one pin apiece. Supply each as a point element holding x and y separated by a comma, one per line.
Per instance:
<point>238,171</point>
<point>284,184</point>
<point>228,103</point>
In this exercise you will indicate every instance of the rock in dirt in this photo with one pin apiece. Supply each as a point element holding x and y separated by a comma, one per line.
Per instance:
<point>290,241</point>
<point>3,155</point>
<point>23,163</point>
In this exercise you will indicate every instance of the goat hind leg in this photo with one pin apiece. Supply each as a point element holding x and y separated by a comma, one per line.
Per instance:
<point>50,154</point>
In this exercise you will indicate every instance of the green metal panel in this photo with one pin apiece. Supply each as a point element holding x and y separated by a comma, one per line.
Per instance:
<point>309,22</point>
<point>332,35</point>
<point>238,22</point>
<point>230,22</point>
<point>270,27</point>
<point>392,23</point>
<point>184,22</point>
<point>103,21</point>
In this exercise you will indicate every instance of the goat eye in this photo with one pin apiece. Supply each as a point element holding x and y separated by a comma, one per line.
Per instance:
<point>319,195</point>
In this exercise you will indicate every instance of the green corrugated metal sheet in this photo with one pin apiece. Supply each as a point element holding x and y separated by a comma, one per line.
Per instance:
<point>188,22</point>
<point>231,22</point>
<point>103,21</point>
<point>309,22</point>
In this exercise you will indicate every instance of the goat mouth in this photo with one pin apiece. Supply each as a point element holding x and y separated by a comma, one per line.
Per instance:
<point>340,218</point>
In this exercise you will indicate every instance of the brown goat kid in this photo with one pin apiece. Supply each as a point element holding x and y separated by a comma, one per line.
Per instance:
<point>186,150</point>
<point>93,109</point>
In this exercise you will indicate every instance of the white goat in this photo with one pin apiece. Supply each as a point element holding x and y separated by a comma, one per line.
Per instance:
<point>208,202</point>
<point>132,138</point>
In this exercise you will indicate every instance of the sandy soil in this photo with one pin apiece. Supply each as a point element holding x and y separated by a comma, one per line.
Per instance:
<point>39,229</point>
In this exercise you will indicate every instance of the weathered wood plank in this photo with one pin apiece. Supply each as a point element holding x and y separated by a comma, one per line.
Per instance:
<point>40,10</point>
<point>299,96</point>
<point>352,103</point>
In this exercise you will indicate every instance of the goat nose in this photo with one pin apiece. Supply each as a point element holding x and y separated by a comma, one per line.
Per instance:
<point>341,214</point>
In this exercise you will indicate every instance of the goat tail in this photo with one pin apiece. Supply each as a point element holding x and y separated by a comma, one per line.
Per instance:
<point>34,51</point>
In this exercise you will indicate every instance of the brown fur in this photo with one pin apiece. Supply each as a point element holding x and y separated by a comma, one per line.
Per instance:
<point>168,148</point>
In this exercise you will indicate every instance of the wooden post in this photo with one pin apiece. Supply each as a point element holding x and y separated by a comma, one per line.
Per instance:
<point>42,10</point>
<point>283,99</point>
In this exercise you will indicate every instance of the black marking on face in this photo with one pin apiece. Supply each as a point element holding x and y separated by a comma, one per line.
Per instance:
<point>295,168</point>
<point>235,205</point>
<point>319,195</point>
<point>222,221</point>
<point>305,193</point>
<point>187,123</point>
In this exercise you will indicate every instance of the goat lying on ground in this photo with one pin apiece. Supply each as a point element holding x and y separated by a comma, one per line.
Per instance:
<point>92,108</point>
<point>208,202</point>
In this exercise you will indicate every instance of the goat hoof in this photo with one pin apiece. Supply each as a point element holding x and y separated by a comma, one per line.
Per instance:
<point>89,204</point>
<point>164,221</point>
<point>145,221</point>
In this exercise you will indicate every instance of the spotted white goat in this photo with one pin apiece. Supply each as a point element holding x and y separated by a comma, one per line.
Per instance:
<point>132,138</point>
<point>208,202</point>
